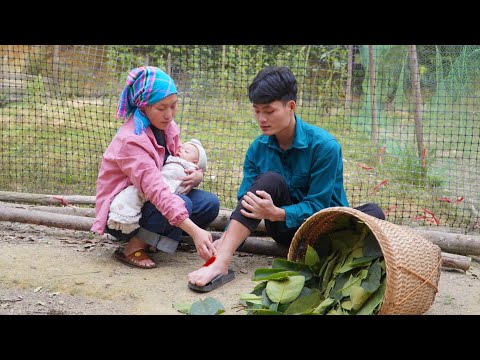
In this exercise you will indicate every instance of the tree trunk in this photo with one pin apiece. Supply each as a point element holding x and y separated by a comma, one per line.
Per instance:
<point>417,98</point>
<point>371,67</point>
<point>348,87</point>
<point>453,243</point>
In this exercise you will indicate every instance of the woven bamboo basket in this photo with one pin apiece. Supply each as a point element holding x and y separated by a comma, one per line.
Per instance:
<point>412,263</point>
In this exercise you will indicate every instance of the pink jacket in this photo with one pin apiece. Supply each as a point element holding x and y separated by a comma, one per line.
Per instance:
<point>138,160</point>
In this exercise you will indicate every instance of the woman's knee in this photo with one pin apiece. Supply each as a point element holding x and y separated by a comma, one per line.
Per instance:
<point>188,203</point>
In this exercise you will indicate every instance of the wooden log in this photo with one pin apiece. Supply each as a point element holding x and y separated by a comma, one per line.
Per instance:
<point>453,243</point>
<point>261,245</point>
<point>454,261</point>
<point>67,210</point>
<point>36,217</point>
<point>45,199</point>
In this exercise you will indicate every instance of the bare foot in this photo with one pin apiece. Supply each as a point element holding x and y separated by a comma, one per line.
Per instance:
<point>205,274</point>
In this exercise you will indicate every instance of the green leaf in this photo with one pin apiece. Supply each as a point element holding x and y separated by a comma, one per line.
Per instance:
<point>250,296</point>
<point>372,282</point>
<point>374,300</point>
<point>346,304</point>
<point>357,253</point>
<point>209,306</point>
<point>354,263</point>
<point>324,306</point>
<point>257,290</point>
<point>285,291</point>
<point>358,297</point>
<point>272,274</point>
<point>293,266</point>
<point>273,306</point>
<point>371,248</point>
<point>340,281</point>
<point>265,299</point>
<point>304,304</point>
<point>183,308</point>
<point>347,287</point>
<point>264,312</point>
<point>311,257</point>
<point>331,261</point>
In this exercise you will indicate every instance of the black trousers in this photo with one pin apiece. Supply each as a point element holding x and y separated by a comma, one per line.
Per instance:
<point>274,184</point>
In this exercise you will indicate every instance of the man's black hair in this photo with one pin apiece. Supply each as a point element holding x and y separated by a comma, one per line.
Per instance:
<point>271,84</point>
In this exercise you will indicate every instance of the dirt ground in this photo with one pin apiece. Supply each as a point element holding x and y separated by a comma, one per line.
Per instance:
<point>55,271</point>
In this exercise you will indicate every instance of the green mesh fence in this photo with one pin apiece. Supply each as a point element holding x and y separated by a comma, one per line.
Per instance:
<point>406,116</point>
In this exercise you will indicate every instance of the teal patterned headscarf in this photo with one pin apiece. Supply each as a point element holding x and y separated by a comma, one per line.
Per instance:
<point>145,85</point>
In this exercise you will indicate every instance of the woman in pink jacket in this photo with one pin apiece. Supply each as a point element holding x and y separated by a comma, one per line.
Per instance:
<point>136,156</point>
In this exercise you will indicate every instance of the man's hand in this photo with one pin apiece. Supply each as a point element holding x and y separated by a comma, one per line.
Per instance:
<point>191,180</point>
<point>260,206</point>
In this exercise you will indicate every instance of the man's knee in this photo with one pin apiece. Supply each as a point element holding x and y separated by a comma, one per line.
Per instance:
<point>269,180</point>
<point>372,209</point>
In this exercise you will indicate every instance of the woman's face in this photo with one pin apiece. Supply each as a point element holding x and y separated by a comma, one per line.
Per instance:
<point>162,113</point>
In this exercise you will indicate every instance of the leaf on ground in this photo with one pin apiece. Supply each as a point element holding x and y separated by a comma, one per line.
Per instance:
<point>182,307</point>
<point>209,306</point>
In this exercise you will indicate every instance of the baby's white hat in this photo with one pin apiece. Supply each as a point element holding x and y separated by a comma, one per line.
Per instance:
<point>202,158</point>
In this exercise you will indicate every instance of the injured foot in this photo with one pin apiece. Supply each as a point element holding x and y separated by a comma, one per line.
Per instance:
<point>205,274</point>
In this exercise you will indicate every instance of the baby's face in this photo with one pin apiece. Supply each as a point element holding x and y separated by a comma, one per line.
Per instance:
<point>189,152</point>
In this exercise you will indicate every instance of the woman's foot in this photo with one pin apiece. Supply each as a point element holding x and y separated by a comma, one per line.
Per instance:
<point>134,254</point>
<point>138,259</point>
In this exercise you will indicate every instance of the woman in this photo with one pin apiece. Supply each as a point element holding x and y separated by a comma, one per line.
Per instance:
<point>136,156</point>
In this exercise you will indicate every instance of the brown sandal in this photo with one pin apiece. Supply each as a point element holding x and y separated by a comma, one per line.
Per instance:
<point>134,259</point>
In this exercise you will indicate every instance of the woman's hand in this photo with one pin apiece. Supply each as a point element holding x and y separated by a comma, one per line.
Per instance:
<point>191,180</point>
<point>204,244</point>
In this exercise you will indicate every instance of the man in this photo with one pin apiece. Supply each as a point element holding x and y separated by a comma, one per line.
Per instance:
<point>291,172</point>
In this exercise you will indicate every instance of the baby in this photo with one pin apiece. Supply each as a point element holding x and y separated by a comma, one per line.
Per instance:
<point>126,207</point>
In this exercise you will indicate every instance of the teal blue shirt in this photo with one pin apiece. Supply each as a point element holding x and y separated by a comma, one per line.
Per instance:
<point>312,167</point>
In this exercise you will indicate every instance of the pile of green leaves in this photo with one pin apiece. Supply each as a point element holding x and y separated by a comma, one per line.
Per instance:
<point>343,273</point>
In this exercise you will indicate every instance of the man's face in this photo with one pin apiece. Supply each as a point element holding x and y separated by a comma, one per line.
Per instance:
<point>274,117</point>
